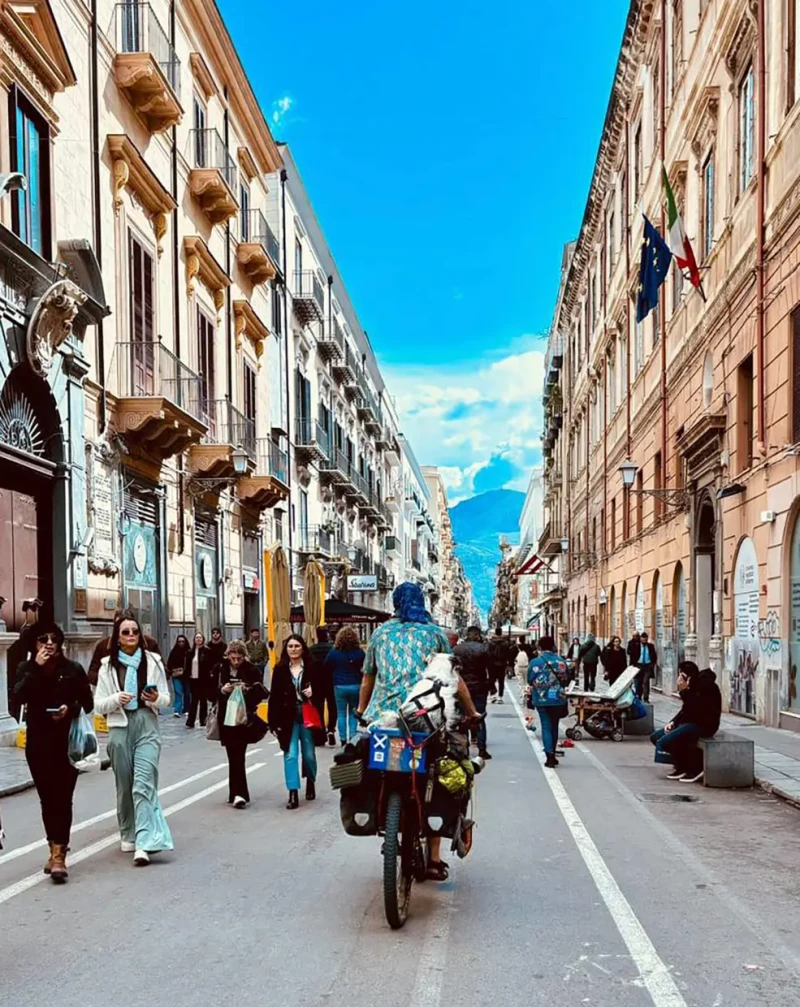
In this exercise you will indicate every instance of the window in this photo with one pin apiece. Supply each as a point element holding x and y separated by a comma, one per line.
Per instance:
<point>677,288</point>
<point>639,502</point>
<point>623,369</point>
<point>656,105</point>
<point>626,514</point>
<point>205,357</point>
<point>656,316</point>
<point>612,381</point>
<point>747,128</point>
<point>638,353</point>
<point>277,310</point>
<point>200,135</point>
<point>244,204</point>
<point>142,318</point>
<point>637,162</point>
<point>796,374</point>
<point>304,517</point>
<point>658,477</point>
<point>30,154</point>
<point>593,547</point>
<point>613,542</point>
<point>593,301</point>
<point>250,393</point>
<point>612,238</point>
<point>602,531</point>
<point>792,53</point>
<point>708,205</point>
<point>303,405</point>
<point>677,42</point>
<point>298,258</point>
<point>744,413</point>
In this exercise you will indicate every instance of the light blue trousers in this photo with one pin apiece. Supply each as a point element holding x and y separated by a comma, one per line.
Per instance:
<point>134,752</point>
<point>301,738</point>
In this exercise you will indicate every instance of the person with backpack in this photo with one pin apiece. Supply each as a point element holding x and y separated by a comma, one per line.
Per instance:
<point>548,676</point>
<point>589,655</point>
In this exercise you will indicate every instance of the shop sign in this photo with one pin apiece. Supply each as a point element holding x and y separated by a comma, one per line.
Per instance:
<point>362,582</point>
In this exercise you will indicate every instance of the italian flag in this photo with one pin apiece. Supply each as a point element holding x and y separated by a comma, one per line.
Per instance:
<point>676,236</point>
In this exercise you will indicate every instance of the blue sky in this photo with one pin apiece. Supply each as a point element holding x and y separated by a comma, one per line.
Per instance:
<point>448,149</point>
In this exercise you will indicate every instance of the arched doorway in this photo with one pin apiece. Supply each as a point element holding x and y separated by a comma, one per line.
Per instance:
<point>658,628</point>
<point>625,632</point>
<point>704,578</point>
<point>745,650</point>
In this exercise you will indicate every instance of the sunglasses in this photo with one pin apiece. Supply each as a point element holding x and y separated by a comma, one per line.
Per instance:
<point>47,638</point>
<point>129,632</point>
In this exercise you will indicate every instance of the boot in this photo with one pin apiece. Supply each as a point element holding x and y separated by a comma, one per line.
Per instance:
<point>58,867</point>
<point>551,762</point>
<point>483,753</point>
<point>294,801</point>
<point>48,867</point>
<point>311,790</point>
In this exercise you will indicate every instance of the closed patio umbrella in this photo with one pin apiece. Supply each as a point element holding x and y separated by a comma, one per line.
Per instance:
<point>313,580</point>
<point>276,577</point>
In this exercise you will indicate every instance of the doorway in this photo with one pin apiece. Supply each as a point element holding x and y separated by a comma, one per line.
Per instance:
<point>704,579</point>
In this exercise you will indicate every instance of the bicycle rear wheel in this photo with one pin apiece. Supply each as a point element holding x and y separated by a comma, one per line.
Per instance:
<point>397,878</point>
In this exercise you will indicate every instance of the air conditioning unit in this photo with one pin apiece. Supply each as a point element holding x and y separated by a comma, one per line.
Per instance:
<point>767,516</point>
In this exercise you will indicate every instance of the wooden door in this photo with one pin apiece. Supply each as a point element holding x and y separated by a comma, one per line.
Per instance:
<point>20,546</point>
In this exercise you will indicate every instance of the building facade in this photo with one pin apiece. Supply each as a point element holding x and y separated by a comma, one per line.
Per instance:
<point>455,608</point>
<point>699,403</point>
<point>536,579</point>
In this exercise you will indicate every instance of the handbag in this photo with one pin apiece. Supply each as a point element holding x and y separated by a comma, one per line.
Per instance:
<point>311,717</point>
<point>212,724</point>
<point>256,729</point>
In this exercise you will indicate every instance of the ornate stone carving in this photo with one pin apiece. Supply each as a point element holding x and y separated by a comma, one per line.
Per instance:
<point>51,323</point>
<point>121,176</point>
<point>192,272</point>
<point>159,222</point>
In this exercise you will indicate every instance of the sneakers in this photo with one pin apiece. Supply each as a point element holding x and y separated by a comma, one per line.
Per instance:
<point>127,847</point>
<point>239,802</point>
<point>141,859</point>
<point>500,701</point>
<point>484,754</point>
<point>176,715</point>
<point>676,774</point>
<point>494,699</point>
<point>694,779</point>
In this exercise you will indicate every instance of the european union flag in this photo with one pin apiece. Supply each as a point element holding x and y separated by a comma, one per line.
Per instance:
<point>653,270</point>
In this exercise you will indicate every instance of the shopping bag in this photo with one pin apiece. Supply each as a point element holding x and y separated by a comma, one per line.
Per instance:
<point>235,710</point>
<point>82,748</point>
<point>212,725</point>
<point>311,717</point>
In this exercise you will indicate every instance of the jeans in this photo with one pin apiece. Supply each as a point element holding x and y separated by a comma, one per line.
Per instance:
<point>480,706</point>
<point>549,717</point>
<point>181,704</point>
<point>499,681</point>
<point>235,742</point>
<point>678,748</point>
<point>641,683</point>
<point>54,777</point>
<point>589,677</point>
<point>303,738</point>
<point>346,706</point>
<point>198,697</point>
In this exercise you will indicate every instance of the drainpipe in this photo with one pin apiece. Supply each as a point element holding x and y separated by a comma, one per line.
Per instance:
<point>761,125</point>
<point>98,224</point>
<point>176,300</point>
<point>662,314</point>
<point>284,177</point>
<point>228,330</point>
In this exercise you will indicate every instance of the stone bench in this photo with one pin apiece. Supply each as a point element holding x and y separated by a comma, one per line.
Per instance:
<point>728,760</point>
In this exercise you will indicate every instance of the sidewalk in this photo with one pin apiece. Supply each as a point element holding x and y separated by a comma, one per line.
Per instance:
<point>777,752</point>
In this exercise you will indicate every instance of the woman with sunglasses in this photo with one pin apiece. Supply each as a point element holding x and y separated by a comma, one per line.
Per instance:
<point>54,691</point>
<point>131,688</point>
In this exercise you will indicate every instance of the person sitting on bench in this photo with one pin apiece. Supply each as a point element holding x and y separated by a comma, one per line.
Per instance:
<point>699,717</point>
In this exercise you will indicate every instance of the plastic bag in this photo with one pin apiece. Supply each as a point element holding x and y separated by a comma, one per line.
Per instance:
<point>212,725</point>
<point>235,710</point>
<point>83,748</point>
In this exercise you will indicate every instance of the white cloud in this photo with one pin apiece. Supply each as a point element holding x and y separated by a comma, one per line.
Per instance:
<point>281,108</point>
<point>480,423</point>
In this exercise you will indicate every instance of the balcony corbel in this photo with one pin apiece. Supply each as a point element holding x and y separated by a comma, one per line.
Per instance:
<point>201,264</point>
<point>132,172</point>
<point>247,323</point>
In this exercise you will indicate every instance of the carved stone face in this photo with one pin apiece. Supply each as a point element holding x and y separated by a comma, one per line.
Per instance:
<point>51,323</point>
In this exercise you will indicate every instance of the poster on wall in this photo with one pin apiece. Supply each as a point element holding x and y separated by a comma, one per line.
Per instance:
<point>639,611</point>
<point>744,658</point>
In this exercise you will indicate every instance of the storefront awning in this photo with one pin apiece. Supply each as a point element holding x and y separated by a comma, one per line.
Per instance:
<point>342,611</point>
<point>533,564</point>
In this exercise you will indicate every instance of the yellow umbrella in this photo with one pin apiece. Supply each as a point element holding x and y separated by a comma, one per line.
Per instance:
<point>313,579</point>
<point>276,578</point>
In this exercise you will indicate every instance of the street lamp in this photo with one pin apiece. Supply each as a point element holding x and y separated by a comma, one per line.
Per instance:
<point>565,545</point>
<point>628,470</point>
<point>239,459</point>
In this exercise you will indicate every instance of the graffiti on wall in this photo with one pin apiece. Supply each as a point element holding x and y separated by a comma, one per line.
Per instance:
<point>769,640</point>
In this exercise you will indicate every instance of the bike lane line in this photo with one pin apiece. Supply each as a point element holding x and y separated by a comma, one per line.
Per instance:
<point>656,976</point>
<point>6,894</point>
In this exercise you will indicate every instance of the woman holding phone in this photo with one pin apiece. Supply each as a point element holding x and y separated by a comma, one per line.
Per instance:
<point>131,688</point>
<point>293,686</point>
<point>232,671</point>
<point>54,691</point>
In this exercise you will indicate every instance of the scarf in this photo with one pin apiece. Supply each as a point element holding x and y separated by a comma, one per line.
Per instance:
<point>131,664</point>
<point>409,603</point>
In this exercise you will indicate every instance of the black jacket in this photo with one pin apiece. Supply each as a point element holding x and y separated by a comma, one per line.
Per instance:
<point>217,651</point>
<point>702,705</point>
<point>41,690</point>
<point>501,653</point>
<point>474,659</point>
<point>633,651</point>
<point>255,693</point>
<point>205,665</point>
<point>614,662</point>
<point>283,700</point>
<point>589,653</point>
<point>177,660</point>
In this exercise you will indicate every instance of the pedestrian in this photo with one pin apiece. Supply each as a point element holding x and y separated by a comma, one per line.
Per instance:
<point>293,693</point>
<point>197,675</point>
<point>499,660</point>
<point>614,660</point>
<point>131,688</point>
<point>232,671</point>
<point>54,691</point>
<point>648,657</point>
<point>632,650</point>
<point>473,655</point>
<point>574,649</point>
<point>344,664</point>
<point>548,676</point>
<point>216,646</point>
<point>103,648</point>
<point>326,696</point>
<point>699,717</point>
<point>257,650</point>
<point>589,655</point>
<point>176,668</point>
<point>521,662</point>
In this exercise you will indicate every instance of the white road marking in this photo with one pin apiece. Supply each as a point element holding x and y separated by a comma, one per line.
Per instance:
<point>102,844</point>
<point>89,822</point>
<point>655,974</point>
<point>427,990</point>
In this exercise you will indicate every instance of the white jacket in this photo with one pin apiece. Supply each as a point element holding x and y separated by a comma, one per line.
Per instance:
<point>106,697</point>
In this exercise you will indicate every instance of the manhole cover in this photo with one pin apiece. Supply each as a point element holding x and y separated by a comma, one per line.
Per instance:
<point>668,798</point>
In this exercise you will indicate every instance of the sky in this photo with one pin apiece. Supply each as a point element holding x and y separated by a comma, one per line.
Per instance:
<point>447,148</point>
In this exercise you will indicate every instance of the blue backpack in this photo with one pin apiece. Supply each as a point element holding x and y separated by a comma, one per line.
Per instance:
<point>547,677</point>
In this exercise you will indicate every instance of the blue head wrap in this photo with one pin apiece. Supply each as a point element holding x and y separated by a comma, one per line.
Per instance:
<point>409,603</point>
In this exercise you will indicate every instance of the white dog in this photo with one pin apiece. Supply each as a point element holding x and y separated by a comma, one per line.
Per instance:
<point>438,685</point>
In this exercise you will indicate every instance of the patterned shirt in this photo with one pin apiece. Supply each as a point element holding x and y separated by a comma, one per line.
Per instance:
<point>397,655</point>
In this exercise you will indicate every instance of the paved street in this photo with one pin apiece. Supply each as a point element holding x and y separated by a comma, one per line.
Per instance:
<point>586,886</point>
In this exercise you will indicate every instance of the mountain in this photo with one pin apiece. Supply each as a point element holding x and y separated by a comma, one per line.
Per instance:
<point>478,524</point>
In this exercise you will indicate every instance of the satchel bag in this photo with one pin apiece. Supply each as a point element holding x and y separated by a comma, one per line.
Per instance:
<point>256,729</point>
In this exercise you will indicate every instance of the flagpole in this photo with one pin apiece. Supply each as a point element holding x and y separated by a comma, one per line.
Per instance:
<point>662,314</point>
